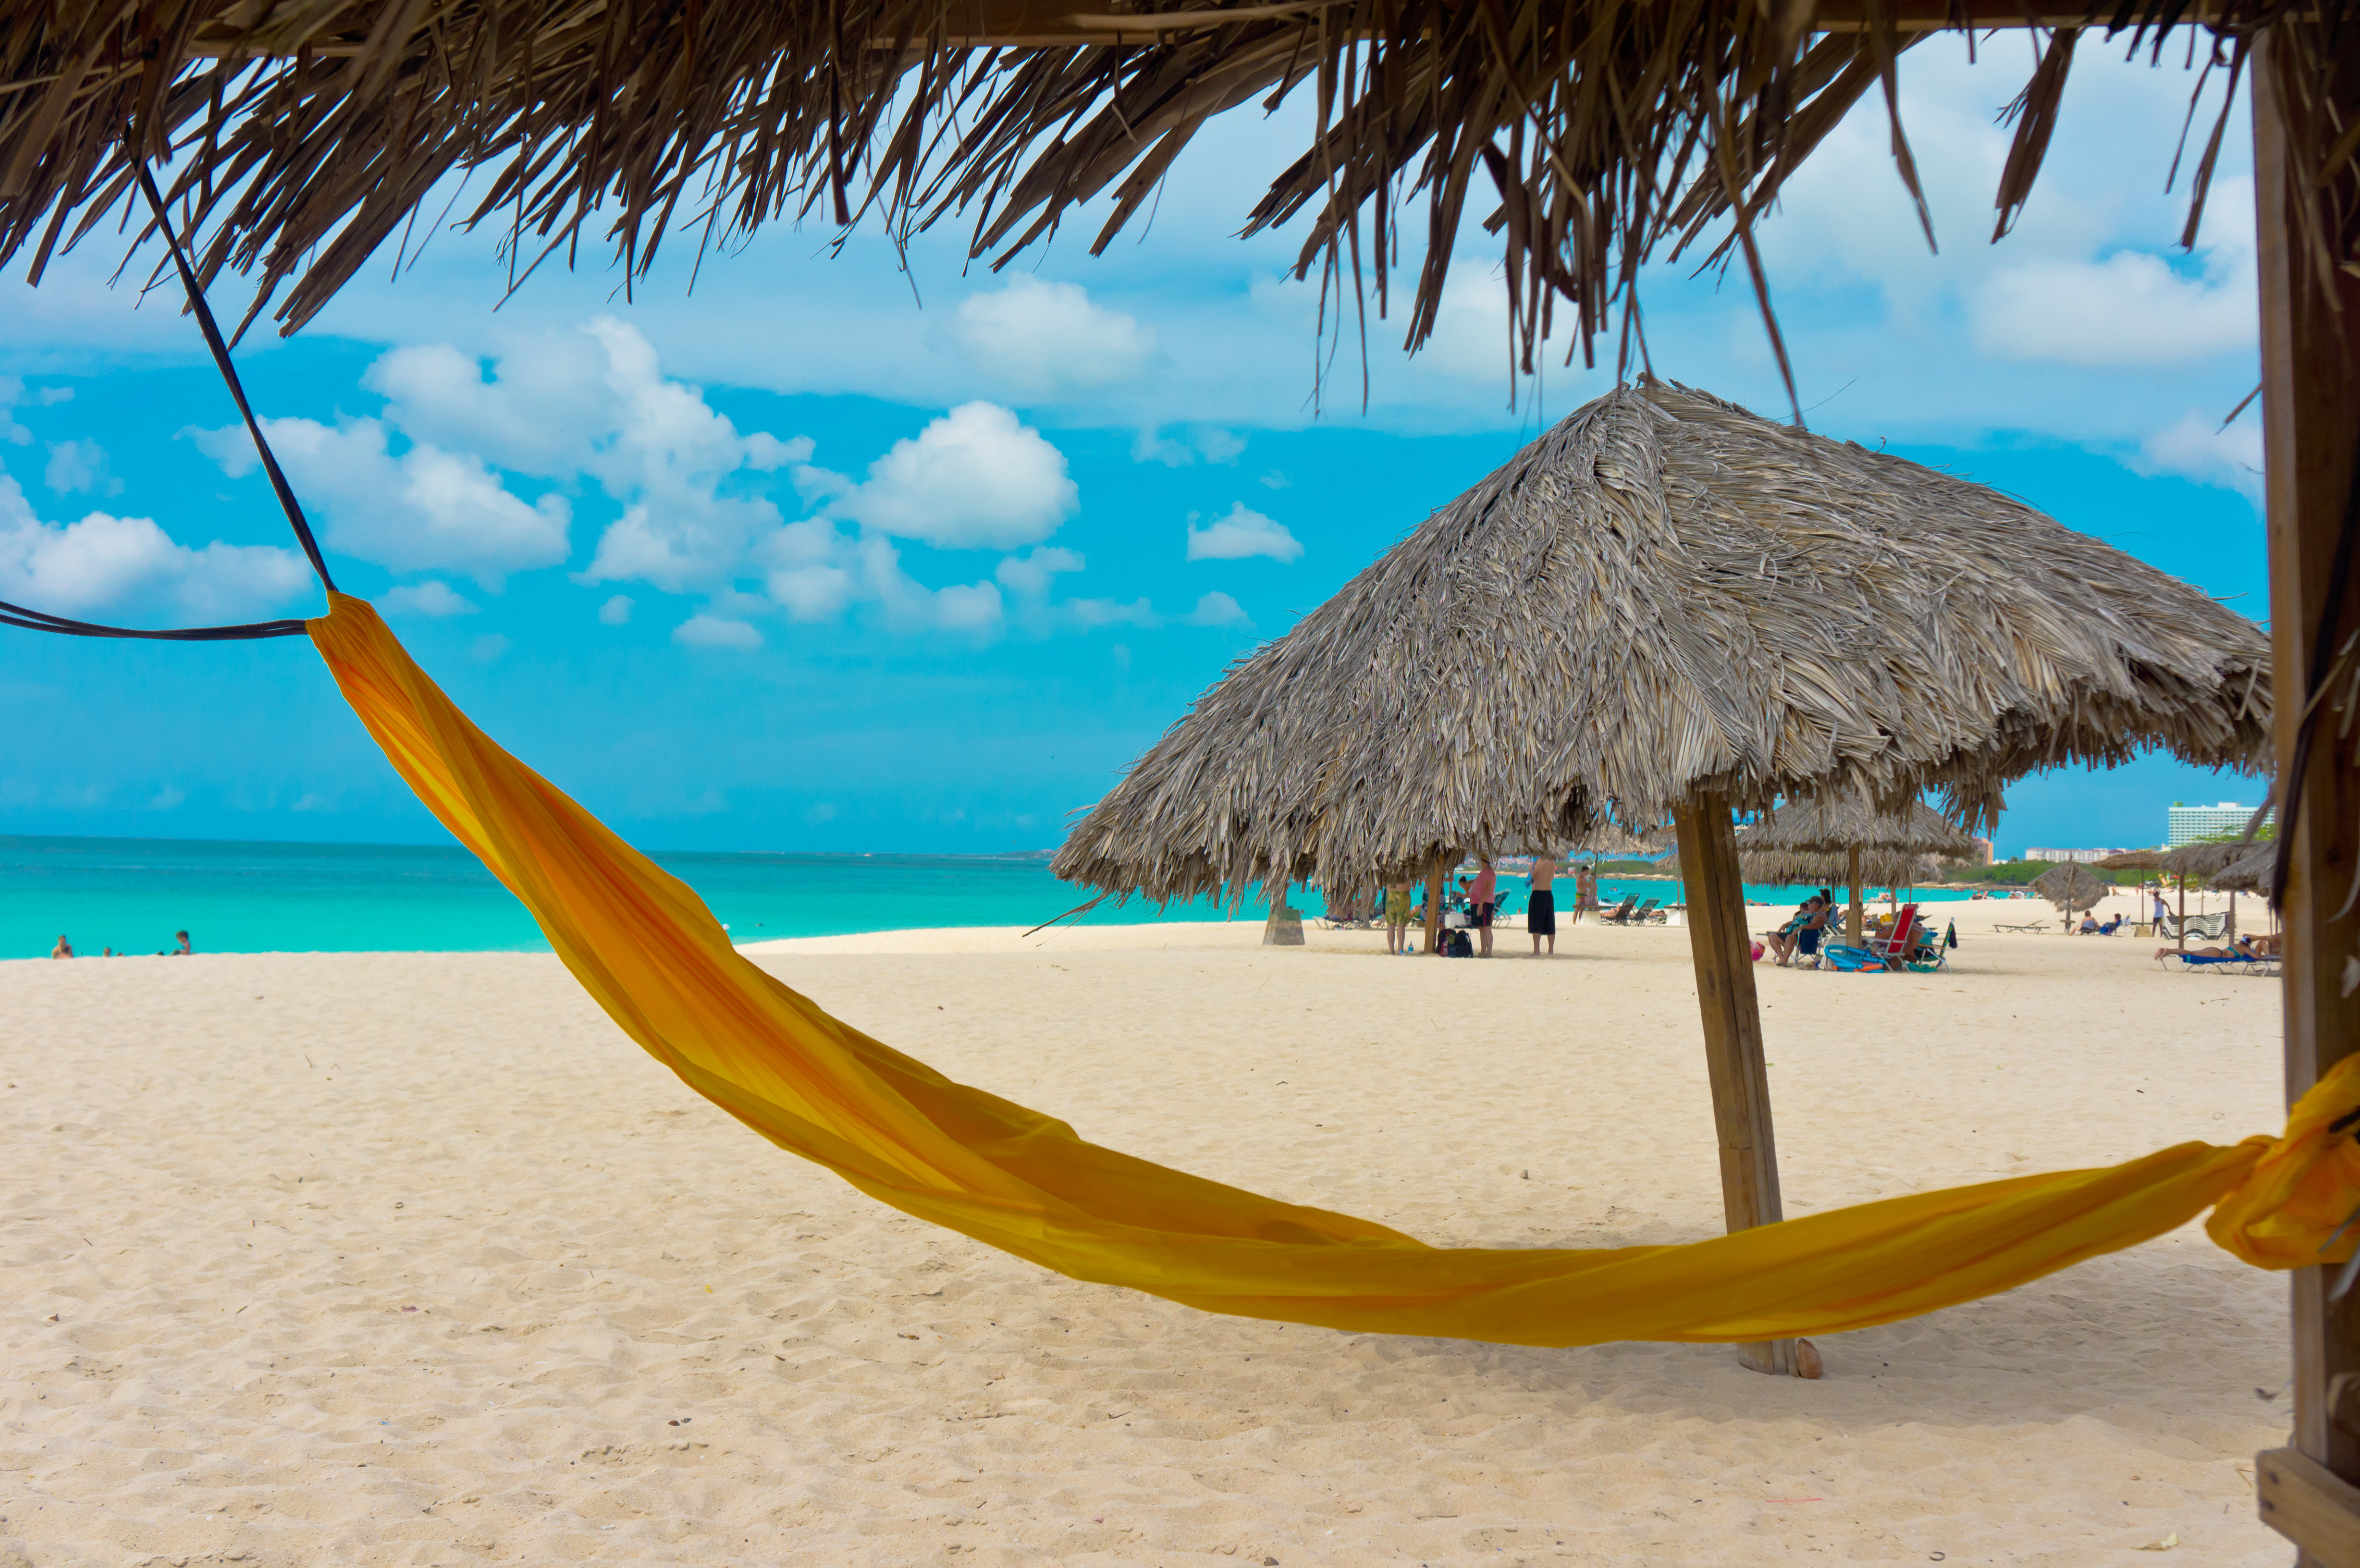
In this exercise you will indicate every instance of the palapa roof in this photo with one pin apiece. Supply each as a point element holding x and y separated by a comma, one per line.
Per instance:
<point>1833,822</point>
<point>1590,135</point>
<point>2254,871</point>
<point>1665,595</point>
<point>2072,886</point>
<point>2201,858</point>
<point>1803,869</point>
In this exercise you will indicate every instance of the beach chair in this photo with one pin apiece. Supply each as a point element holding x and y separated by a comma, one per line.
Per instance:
<point>2210,927</point>
<point>1619,912</point>
<point>1894,949</point>
<point>2225,963</point>
<point>1931,954</point>
<point>1848,960</point>
<point>2031,926</point>
<point>1641,915</point>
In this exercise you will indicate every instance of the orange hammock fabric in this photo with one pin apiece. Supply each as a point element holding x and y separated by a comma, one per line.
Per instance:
<point>648,950</point>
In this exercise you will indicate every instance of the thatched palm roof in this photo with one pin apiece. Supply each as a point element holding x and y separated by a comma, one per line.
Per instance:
<point>1832,823</point>
<point>2071,887</point>
<point>2200,859</point>
<point>2254,871</point>
<point>1590,135</point>
<point>1661,596</point>
<point>1806,869</point>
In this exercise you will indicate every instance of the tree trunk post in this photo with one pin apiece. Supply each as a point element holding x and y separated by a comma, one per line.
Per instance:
<point>1721,948</point>
<point>1853,918</point>
<point>1434,911</point>
<point>2310,424</point>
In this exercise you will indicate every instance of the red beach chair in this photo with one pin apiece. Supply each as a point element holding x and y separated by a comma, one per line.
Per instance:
<point>1893,950</point>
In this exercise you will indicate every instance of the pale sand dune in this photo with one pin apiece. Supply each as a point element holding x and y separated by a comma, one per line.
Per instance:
<point>230,1178</point>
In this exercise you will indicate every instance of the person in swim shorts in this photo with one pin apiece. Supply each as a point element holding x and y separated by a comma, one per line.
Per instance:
<point>1540,917</point>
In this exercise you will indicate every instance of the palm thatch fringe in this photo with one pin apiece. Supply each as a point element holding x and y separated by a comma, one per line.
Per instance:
<point>1665,595</point>
<point>1590,136</point>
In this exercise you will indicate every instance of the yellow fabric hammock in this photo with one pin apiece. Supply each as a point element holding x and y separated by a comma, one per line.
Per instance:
<point>646,947</point>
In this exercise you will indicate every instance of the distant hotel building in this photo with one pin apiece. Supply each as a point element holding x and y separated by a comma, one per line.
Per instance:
<point>2059,856</point>
<point>2190,823</point>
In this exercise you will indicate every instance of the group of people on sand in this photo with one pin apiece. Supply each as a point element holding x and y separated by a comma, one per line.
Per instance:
<point>1478,897</point>
<point>1804,930</point>
<point>181,949</point>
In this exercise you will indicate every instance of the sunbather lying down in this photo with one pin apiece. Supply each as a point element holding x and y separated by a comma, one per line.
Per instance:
<point>2243,947</point>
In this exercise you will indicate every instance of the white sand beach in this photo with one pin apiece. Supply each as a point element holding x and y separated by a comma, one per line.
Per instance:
<point>413,1258</point>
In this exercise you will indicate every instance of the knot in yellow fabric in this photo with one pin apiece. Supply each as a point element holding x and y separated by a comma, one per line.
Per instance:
<point>2305,1187</point>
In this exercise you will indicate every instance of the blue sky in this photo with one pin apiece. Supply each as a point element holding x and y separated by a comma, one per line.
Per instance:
<point>825,555</point>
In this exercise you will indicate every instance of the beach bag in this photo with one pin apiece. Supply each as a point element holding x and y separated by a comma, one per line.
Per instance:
<point>1457,946</point>
<point>1757,953</point>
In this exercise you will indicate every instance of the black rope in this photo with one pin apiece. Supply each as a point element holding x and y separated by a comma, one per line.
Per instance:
<point>204,315</point>
<point>42,621</point>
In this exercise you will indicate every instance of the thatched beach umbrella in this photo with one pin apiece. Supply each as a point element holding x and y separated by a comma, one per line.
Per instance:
<point>1667,605</point>
<point>1799,868</point>
<point>2072,888</point>
<point>1836,831</point>
<point>2252,872</point>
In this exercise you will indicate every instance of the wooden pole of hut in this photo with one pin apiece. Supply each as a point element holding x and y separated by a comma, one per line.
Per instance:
<point>2311,431</point>
<point>1854,919</point>
<point>1735,1065</point>
<point>1434,911</point>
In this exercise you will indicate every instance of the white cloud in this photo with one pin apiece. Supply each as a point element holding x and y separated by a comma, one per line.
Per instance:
<point>616,610</point>
<point>424,510</point>
<point>1217,609</point>
<point>2131,309</point>
<point>110,562</point>
<point>2198,448</point>
<point>78,467</point>
<point>1244,533</point>
<point>714,631</point>
<point>973,479</point>
<point>1047,338</point>
<point>974,607</point>
<point>14,393</point>
<point>431,598</point>
<point>1208,442</point>
<point>1030,576</point>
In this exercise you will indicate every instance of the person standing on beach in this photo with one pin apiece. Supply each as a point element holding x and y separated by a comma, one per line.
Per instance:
<point>1585,892</point>
<point>1397,916</point>
<point>1540,917</point>
<point>63,950</point>
<point>1485,896</point>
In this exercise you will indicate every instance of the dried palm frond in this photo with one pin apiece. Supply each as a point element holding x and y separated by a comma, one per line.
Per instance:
<point>1666,595</point>
<point>1590,136</point>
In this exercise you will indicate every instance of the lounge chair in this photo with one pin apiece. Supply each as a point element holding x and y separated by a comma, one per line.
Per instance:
<point>1619,912</point>
<point>1849,960</point>
<point>2210,927</point>
<point>1627,916</point>
<point>2030,926</point>
<point>2225,963</point>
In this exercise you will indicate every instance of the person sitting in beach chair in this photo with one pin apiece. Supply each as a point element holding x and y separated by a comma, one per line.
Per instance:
<point>1779,945</point>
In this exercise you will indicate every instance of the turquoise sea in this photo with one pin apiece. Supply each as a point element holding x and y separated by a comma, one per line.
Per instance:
<point>133,894</point>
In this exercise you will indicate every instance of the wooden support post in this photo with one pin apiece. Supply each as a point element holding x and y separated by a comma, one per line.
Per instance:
<point>1434,911</point>
<point>1854,920</point>
<point>2310,429</point>
<point>1722,950</point>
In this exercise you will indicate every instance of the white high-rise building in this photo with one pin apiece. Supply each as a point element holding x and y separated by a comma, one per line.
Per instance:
<point>2189,824</point>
